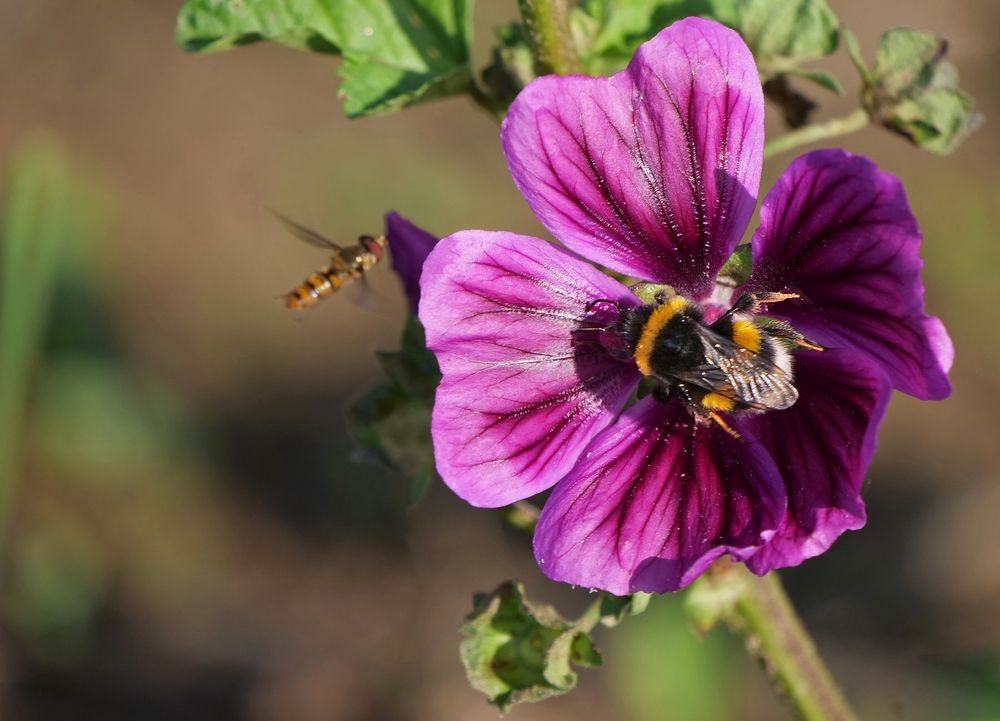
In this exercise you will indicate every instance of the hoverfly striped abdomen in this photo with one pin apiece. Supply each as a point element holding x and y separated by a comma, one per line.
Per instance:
<point>348,263</point>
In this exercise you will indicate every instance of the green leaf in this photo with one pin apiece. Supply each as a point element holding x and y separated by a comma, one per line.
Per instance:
<point>913,90</point>
<point>607,32</point>
<point>615,609</point>
<point>784,33</point>
<point>740,264</point>
<point>413,368</point>
<point>906,60</point>
<point>393,421</point>
<point>512,65</point>
<point>395,53</point>
<point>213,25</point>
<point>396,428</point>
<point>781,33</point>
<point>854,53</point>
<point>938,120</point>
<point>515,651</point>
<point>821,78</point>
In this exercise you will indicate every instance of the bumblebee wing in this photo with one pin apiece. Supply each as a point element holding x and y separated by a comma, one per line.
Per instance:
<point>707,376</point>
<point>307,235</point>
<point>750,378</point>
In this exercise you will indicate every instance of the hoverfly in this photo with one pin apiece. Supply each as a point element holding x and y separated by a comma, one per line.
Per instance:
<point>739,362</point>
<point>348,263</point>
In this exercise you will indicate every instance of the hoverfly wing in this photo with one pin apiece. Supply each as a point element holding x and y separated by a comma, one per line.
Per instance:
<point>750,378</point>
<point>364,295</point>
<point>307,235</point>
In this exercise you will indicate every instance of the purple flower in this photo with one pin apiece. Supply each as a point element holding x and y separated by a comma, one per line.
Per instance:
<point>654,173</point>
<point>410,247</point>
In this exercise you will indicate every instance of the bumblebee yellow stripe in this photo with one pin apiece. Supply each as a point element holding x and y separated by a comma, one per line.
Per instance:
<point>658,320</point>
<point>717,402</point>
<point>747,335</point>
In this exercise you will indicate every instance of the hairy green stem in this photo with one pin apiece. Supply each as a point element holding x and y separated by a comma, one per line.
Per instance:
<point>759,610</point>
<point>547,22</point>
<point>836,127</point>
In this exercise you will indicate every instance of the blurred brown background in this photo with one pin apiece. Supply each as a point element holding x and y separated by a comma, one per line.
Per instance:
<point>188,539</point>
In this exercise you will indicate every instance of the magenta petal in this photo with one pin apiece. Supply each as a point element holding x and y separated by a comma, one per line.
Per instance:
<point>410,247</point>
<point>840,232</point>
<point>523,391</point>
<point>822,446</point>
<point>652,172</point>
<point>654,500</point>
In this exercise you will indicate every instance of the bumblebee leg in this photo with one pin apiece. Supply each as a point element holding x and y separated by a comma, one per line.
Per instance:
<point>754,302</point>
<point>782,331</point>
<point>806,343</point>
<point>725,426</point>
<point>765,298</point>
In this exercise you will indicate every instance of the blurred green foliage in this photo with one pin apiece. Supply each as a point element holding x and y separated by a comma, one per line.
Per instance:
<point>56,579</point>
<point>679,677</point>
<point>69,404</point>
<point>36,224</point>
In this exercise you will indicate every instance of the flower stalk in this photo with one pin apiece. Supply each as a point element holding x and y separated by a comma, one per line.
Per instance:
<point>850,123</point>
<point>759,610</point>
<point>547,22</point>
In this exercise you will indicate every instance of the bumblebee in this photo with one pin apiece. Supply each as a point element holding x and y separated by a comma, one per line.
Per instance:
<point>739,362</point>
<point>349,263</point>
